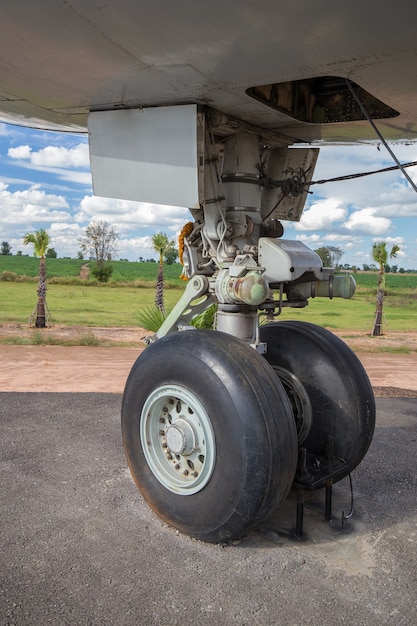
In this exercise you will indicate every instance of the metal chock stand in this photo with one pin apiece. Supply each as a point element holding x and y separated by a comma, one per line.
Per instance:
<point>315,472</point>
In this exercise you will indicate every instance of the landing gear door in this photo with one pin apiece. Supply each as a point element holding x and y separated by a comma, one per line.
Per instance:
<point>148,155</point>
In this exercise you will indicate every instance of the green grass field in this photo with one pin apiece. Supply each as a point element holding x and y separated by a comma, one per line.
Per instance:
<point>116,306</point>
<point>29,265</point>
<point>78,304</point>
<point>130,271</point>
<point>133,287</point>
<point>123,271</point>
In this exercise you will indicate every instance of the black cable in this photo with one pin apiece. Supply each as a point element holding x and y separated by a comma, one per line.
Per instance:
<point>367,116</point>
<point>349,176</point>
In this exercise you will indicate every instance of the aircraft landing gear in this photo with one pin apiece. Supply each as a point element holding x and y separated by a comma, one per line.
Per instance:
<point>208,433</point>
<point>209,424</point>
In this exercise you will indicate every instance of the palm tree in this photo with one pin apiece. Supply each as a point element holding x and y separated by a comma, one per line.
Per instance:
<point>380,255</point>
<point>40,240</point>
<point>162,245</point>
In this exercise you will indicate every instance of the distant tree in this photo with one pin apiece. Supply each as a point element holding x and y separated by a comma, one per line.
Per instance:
<point>163,246</point>
<point>324,254</point>
<point>51,254</point>
<point>335,255</point>
<point>100,243</point>
<point>40,240</point>
<point>330,255</point>
<point>6,248</point>
<point>80,255</point>
<point>171,256</point>
<point>380,255</point>
<point>19,253</point>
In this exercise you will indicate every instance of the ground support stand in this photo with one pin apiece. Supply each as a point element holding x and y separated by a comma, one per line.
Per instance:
<point>315,472</point>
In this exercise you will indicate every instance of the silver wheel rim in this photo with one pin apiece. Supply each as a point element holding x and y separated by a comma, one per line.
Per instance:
<point>177,439</point>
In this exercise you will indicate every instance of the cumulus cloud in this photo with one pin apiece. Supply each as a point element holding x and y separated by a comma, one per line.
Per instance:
<point>21,152</point>
<point>321,215</point>
<point>128,215</point>
<point>29,209</point>
<point>53,156</point>
<point>135,247</point>
<point>32,197</point>
<point>65,163</point>
<point>310,240</point>
<point>367,222</point>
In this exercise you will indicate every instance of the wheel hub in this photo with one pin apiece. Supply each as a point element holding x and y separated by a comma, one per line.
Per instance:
<point>177,439</point>
<point>180,437</point>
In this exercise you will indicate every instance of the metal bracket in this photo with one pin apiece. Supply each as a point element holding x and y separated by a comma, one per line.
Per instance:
<point>185,310</point>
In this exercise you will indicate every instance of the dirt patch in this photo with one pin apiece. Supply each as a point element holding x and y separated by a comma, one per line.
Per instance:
<point>84,271</point>
<point>70,335</point>
<point>389,342</point>
<point>102,358</point>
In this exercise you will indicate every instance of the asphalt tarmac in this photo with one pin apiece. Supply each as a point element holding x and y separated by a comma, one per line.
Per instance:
<point>80,547</point>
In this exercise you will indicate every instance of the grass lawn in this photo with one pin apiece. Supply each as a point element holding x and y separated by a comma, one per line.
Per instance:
<point>123,271</point>
<point>78,304</point>
<point>356,314</point>
<point>114,305</point>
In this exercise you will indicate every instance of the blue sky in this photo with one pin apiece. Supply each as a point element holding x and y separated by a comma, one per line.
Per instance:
<point>45,182</point>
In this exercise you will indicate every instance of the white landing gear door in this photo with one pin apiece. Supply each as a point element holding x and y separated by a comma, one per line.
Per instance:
<point>149,155</point>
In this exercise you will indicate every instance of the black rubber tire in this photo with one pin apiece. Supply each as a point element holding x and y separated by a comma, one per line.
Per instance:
<point>252,424</point>
<point>341,399</point>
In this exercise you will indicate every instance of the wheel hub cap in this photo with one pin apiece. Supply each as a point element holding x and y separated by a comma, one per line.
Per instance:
<point>180,437</point>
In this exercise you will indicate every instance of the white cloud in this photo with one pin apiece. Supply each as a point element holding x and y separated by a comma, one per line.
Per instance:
<point>23,211</point>
<point>135,247</point>
<point>128,215</point>
<point>366,222</point>
<point>21,152</point>
<point>309,239</point>
<point>53,156</point>
<point>399,241</point>
<point>321,215</point>
<point>64,163</point>
<point>33,196</point>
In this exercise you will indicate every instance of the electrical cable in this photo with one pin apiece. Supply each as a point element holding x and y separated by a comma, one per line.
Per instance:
<point>359,175</point>
<point>367,116</point>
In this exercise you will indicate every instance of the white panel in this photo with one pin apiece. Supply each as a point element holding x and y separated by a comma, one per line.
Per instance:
<point>286,260</point>
<point>149,155</point>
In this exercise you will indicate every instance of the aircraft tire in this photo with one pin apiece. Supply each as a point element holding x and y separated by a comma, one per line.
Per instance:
<point>327,386</point>
<point>208,433</point>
